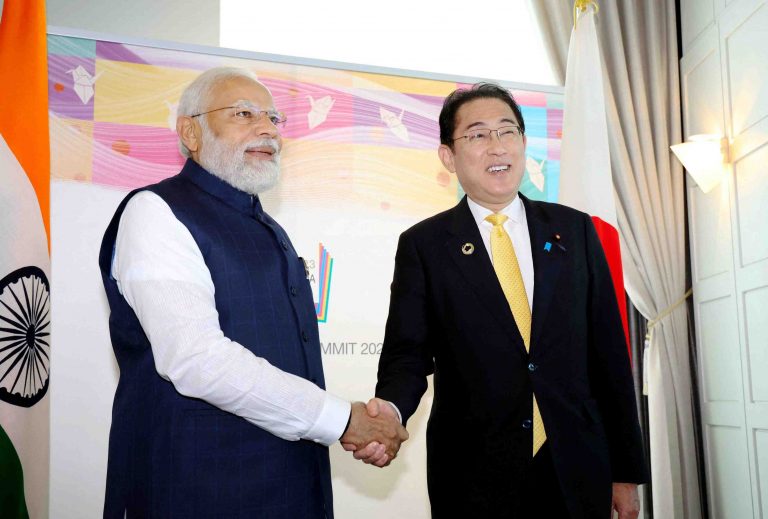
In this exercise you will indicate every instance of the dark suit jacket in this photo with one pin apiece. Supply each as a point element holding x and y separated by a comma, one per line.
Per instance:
<point>448,316</point>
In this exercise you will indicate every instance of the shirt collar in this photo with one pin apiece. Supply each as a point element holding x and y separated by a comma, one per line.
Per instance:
<point>514,211</point>
<point>215,186</point>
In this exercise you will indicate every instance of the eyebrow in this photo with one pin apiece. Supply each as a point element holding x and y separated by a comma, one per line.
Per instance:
<point>505,120</point>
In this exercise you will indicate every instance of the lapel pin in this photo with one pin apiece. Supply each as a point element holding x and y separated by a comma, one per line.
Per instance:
<point>467,249</point>
<point>557,242</point>
<point>547,246</point>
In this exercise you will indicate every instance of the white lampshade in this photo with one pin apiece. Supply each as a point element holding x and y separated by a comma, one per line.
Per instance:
<point>704,156</point>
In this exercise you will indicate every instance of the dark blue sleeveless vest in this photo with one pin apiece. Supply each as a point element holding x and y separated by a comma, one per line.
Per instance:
<point>173,456</point>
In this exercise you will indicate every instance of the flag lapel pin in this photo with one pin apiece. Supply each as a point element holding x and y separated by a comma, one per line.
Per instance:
<point>556,239</point>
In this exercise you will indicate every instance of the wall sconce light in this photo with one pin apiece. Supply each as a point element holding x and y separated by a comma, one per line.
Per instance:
<point>704,156</point>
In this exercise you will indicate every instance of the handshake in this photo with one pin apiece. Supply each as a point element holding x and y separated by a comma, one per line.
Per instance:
<point>374,434</point>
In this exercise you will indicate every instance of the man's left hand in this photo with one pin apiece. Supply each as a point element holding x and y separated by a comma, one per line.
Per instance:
<point>626,500</point>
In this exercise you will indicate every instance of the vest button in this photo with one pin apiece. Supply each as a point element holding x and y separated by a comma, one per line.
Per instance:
<point>532,367</point>
<point>304,336</point>
<point>527,424</point>
<point>294,291</point>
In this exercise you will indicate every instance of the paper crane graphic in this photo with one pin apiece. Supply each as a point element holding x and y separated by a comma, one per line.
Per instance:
<point>172,107</point>
<point>319,111</point>
<point>535,172</point>
<point>83,82</point>
<point>395,124</point>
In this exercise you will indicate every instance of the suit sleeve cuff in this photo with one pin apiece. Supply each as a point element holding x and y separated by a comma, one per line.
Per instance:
<point>333,418</point>
<point>399,416</point>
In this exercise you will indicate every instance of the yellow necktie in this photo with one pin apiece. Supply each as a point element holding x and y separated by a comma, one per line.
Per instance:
<point>511,279</point>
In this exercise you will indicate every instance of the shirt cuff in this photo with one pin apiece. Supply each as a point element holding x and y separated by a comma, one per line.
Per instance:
<point>333,418</point>
<point>399,416</point>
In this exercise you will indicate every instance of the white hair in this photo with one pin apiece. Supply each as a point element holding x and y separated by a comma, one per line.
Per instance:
<point>195,97</point>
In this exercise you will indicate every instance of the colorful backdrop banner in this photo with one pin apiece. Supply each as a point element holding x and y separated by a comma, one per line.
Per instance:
<point>360,141</point>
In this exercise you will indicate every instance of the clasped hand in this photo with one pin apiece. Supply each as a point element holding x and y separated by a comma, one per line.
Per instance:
<point>374,434</point>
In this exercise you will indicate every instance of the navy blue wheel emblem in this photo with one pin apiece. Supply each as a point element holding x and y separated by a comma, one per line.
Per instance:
<point>25,332</point>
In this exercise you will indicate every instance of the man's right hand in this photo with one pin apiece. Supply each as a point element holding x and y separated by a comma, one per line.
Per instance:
<point>374,433</point>
<point>375,453</point>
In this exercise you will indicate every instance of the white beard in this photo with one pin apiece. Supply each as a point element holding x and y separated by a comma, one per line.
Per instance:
<point>228,162</point>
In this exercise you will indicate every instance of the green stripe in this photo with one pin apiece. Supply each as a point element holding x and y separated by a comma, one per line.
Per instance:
<point>12,502</point>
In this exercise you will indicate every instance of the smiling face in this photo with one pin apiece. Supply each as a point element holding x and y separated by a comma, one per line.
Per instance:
<point>247,156</point>
<point>489,172</point>
<point>236,91</point>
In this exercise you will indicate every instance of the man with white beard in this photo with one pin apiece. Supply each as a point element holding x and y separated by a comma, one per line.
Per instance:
<point>220,410</point>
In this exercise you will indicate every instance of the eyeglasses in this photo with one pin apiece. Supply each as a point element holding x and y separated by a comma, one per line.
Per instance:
<point>482,136</point>
<point>246,113</point>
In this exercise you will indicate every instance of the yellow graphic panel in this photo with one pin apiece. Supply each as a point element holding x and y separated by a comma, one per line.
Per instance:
<point>138,94</point>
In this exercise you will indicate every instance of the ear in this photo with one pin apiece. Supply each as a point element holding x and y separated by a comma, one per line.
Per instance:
<point>446,157</point>
<point>189,133</point>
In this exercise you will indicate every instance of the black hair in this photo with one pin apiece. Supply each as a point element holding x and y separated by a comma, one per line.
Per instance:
<point>461,96</point>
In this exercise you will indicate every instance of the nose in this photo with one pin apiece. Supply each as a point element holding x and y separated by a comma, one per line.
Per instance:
<point>265,127</point>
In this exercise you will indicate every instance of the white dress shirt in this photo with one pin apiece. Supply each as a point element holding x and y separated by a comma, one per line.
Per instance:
<point>162,275</point>
<point>517,228</point>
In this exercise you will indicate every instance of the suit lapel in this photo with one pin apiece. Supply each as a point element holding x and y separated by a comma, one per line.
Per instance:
<point>547,261</point>
<point>477,268</point>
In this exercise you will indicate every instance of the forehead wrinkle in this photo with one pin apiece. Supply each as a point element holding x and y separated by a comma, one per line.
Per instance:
<point>239,86</point>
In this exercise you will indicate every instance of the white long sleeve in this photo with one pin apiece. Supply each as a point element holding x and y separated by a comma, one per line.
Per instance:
<point>162,275</point>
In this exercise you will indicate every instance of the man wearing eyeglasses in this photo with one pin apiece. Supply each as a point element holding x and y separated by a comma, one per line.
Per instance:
<point>220,409</point>
<point>509,303</point>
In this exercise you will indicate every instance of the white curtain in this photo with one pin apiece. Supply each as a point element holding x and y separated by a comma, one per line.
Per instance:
<point>638,41</point>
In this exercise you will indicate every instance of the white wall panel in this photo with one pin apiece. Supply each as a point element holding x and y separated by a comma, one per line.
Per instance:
<point>702,86</point>
<point>711,232</point>
<point>721,364</point>
<point>729,475</point>
<point>699,14</point>
<point>747,55</point>
<point>755,310</point>
<point>751,176</point>
<point>703,83</point>
<point>761,448</point>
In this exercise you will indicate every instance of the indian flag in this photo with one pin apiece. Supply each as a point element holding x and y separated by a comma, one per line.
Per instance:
<point>585,163</point>
<point>25,318</point>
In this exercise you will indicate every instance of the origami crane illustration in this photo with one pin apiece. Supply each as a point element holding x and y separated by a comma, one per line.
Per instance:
<point>83,83</point>
<point>319,111</point>
<point>535,172</point>
<point>395,124</point>
<point>172,107</point>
